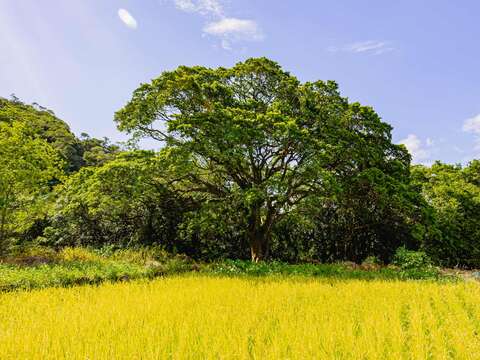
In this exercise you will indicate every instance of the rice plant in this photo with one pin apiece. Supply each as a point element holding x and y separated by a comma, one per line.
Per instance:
<point>207,317</point>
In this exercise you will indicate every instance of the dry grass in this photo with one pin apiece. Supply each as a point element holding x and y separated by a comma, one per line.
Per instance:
<point>197,317</point>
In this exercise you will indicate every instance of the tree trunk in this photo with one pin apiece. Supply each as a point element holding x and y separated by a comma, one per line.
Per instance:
<point>258,236</point>
<point>3,235</point>
<point>259,247</point>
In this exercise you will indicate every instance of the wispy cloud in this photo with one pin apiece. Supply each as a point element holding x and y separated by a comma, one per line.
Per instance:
<point>373,47</point>
<point>420,151</point>
<point>127,18</point>
<point>203,7</point>
<point>472,126</point>
<point>227,29</point>
<point>232,29</point>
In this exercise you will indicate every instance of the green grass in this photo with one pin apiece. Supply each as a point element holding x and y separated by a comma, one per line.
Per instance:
<point>42,268</point>
<point>64,274</point>
<point>338,271</point>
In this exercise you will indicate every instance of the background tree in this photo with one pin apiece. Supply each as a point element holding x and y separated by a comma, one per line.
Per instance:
<point>255,134</point>
<point>370,214</point>
<point>43,123</point>
<point>454,194</point>
<point>124,202</point>
<point>27,166</point>
<point>97,151</point>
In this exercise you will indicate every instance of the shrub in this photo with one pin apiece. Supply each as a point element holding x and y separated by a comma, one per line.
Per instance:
<point>414,264</point>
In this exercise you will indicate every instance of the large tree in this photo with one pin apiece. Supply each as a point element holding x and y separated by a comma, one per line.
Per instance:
<point>254,134</point>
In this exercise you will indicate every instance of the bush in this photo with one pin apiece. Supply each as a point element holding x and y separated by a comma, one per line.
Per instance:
<point>414,264</point>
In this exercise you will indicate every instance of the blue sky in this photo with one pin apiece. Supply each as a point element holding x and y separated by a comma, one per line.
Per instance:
<point>415,62</point>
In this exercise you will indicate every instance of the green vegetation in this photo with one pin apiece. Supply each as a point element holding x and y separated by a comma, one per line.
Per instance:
<point>335,271</point>
<point>41,267</point>
<point>27,167</point>
<point>254,137</point>
<point>43,123</point>
<point>453,194</point>
<point>254,165</point>
<point>94,208</point>
<point>414,264</point>
<point>67,273</point>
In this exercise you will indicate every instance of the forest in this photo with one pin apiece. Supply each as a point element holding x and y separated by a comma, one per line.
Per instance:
<point>253,165</point>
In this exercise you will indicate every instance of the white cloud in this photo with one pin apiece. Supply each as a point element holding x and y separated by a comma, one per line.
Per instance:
<point>228,30</point>
<point>127,18</point>
<point>420,152</point>
<point>232,29</point>
<point>368,47</point>
<point>472,125</point>
<point>203,7</point>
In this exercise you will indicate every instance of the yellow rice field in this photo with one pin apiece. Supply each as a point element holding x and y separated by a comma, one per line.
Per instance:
<point>196,317</point>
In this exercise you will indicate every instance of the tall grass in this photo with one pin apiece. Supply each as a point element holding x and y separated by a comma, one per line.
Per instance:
<point>39,267</point>
<point>198,317</point>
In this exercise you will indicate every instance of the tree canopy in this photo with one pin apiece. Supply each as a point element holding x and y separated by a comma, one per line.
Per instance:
<point>125,202</point>
<point>254,164</point>
<point>453,192</point>
<point>28,165</point>
<point>43,123</point>
<point>256,135</point>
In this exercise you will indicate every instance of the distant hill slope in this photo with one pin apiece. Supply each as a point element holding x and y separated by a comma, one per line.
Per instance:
<point>76,152</point>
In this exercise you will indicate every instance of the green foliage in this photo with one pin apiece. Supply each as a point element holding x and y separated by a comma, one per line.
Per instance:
<point>138,255</point>
<point>67,274</point>
<point>335,271</point>
<point>257,137</point>
<point>27,167</point>
<point>213,231</point>
<point>371,213</point>
<point>43,124</point>
<point>40,267</point>
<point>97,152</point>
<point>371,261</point>
<point>414,264</point>
<point>125,202</point>
<point>453,193</point>
<point>78,254</point>
<point>36,150</point>
<point>255,165</point>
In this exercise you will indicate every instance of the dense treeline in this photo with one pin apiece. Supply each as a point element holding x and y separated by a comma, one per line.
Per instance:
<point>254,164</point>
